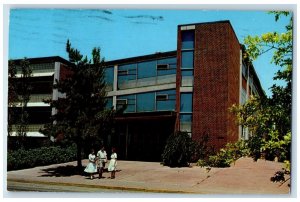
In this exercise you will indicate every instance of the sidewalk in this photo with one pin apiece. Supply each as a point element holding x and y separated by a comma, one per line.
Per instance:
<point>245,177</point>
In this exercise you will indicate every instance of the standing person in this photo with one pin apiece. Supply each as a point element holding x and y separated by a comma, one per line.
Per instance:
<point>102,159</point>
<point>113,163</point>
<point>91,168</point>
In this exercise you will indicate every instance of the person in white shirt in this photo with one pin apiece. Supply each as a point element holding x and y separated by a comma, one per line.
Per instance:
<point>102,159</point>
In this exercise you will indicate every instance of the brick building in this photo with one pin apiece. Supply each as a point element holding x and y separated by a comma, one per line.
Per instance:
<point>189,89</point>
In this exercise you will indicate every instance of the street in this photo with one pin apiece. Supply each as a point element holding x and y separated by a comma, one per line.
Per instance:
<point>14,186</point>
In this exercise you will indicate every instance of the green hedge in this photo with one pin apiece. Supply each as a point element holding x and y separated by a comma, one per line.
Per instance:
<point>21,159</point>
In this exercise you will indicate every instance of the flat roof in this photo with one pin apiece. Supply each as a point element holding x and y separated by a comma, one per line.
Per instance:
<point>43,60</point>
<point>142,58</point>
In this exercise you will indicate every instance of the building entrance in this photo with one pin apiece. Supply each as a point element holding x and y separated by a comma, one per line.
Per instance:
<point>143,138</point>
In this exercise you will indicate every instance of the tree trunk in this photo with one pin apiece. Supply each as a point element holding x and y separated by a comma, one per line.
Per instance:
<point>79,148</point>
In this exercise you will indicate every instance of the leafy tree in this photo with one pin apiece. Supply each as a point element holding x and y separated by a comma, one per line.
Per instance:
<point>270,118</point>
<point>81,114</point>
<point>12,95</point>
<point>24,91</point>
<point>19,91</point>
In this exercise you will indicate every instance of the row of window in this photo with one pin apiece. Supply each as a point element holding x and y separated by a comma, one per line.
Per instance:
<point>140,70</point>
<point>147,102</point>
<point>187,77</point>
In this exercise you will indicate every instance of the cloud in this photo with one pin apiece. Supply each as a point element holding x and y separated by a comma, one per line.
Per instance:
<point>100,17</point>
<point>107,12</point>
<point>158,18</point>
<point>140,22</point>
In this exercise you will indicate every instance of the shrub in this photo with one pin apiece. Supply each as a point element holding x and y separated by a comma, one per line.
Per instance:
<point>226,156</point>
<point>21,159</point>
<point>178,150</point>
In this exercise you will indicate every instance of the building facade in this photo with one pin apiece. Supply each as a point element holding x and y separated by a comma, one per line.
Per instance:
<point>189,89</point>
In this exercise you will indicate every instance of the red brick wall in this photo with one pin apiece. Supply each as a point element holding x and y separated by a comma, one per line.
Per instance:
<point>178,80</point>
<point>64,72</point>
<point>216,83</point>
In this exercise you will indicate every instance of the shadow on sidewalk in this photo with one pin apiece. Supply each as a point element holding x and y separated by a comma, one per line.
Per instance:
<point>63,171</point>
<point>66,171</point>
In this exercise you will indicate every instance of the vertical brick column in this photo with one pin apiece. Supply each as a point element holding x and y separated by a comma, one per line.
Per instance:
<point>178,79</point>
<point>216,83</point>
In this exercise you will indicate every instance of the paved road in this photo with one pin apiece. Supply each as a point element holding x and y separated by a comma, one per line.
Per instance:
<point>37,187</point>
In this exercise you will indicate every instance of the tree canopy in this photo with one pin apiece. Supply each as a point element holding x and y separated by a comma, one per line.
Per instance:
<point>269,119</point>
<point>81,115</point>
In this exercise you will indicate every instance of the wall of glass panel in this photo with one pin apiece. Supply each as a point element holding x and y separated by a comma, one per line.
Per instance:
<point>244,96</point>
<point>128,100</point>
<point>172,64</point>
<point>146,73</point>
<point>109,77</point>
<point>148,102</point>
<point>109,103</point>
<point>146,69</point>
<point>187,57</point>
<point>186,111</point>
<point>145,102</point>
<point>165,100</point>
<point>127,73</point>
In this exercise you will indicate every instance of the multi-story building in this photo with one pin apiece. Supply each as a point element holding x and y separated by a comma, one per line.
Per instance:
<point>189,89</point>
<point>44,72</point>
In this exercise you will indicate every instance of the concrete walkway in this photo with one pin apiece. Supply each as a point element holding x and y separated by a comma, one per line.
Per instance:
<point>245,177</point>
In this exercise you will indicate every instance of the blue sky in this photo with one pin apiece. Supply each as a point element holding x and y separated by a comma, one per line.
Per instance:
<point>126,33</point>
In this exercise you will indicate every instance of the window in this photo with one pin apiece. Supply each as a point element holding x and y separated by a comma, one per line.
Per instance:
<point>186,122</point>
<point>244,70</point>
<point>162,66</point>
<point>128,100</point>
<point>145,102</point>
<point>187,59</point>
<point>187,38</point>
<point>122,72</point>
<point>165,100</point>
<point>244,96</point>
<point>161,97</point>
<point>186,102</point>
<point>122,102</point>
<point>146,69</point>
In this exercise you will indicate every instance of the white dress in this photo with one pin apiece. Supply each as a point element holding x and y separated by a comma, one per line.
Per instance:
<point>113,162</point>
<point>91,167</point>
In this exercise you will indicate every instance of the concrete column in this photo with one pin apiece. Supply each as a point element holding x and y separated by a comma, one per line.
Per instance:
<point>56,77</point>
<point>115,86</point>
<point>241,87</point>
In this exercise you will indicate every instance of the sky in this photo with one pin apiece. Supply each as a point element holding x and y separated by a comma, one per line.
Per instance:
<point>123,33</point>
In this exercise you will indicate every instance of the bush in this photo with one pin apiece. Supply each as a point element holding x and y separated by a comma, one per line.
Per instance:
<point>178,150</point>
<point>226,156</point>
<point>21,159</point>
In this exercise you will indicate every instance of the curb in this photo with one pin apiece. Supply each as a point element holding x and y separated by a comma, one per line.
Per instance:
<point>102,186</point>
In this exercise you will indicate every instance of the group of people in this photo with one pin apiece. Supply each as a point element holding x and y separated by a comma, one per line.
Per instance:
<point>97,163</point>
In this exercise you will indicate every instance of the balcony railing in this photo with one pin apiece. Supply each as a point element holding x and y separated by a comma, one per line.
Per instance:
<point>31,127</point>
<point>151,81</point>
<point>40,97</point>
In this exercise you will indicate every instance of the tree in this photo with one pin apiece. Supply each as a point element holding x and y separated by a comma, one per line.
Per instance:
<point>81,113</point>
<point>24,91</point>
<point>19,91</point>
<point>12,95</point>
<point>270,118</point>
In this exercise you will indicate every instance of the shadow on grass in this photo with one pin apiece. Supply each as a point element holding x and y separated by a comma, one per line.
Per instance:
<point>63,171</point>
